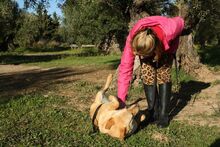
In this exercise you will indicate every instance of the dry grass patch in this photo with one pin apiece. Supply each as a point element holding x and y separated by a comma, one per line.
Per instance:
<point>160,137</point>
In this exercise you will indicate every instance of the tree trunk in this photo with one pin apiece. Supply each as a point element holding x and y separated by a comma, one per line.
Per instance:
<point>111,44</point>
<point>189,60</point>
<point>187,56</point>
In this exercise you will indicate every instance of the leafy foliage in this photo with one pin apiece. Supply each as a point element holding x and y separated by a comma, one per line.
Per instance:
<point>46,25</point>
<point>209,26</point>
<point>28,32</point>
<point>90,21</point>
<point>97,21</point>
<point>34,3</point>
<point>9,14</point>
<point>37,28</point>
<point>204,17</point>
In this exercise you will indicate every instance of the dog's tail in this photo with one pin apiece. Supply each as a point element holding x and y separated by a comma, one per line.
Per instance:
<point>108,82</point>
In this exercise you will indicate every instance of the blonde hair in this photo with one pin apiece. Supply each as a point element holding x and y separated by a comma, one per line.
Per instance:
<point>143,43</point>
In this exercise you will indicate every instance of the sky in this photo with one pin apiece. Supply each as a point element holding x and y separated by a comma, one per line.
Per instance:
<point>53,7</point>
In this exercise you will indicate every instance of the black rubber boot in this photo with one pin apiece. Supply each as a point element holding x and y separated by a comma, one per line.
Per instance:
<point>164,101</point>
<point>152,100</point>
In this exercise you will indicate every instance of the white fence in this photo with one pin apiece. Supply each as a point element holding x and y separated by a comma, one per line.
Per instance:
<point>87,46</point>
<point>74,46</point>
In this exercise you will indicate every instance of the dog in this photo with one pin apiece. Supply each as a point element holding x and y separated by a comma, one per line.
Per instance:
<point>106,116</point>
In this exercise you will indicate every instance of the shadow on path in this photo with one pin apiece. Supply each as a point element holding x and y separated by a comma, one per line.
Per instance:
<point>216,143</point>
<point>187,90</point>
<point>20,59</point>
<point>178,101</point>
<point>13,84</point>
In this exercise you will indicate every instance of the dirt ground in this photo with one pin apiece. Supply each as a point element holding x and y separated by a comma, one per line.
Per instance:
<point>198,106</point>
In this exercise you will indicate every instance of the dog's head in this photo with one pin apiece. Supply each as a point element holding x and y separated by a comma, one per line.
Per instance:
<point>137,117</point>
<point>125,123</point>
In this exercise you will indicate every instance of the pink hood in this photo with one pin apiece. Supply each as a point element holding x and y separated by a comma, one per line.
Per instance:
<point>171,27</point>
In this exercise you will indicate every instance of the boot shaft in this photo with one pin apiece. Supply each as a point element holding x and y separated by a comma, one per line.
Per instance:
<point>164,98</point>
<point>164,104</point>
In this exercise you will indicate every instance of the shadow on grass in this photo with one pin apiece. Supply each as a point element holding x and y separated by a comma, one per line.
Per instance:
<point>20,59</point>
<point>216,143</point>
<point>113,64</point>
<point>13,84</point>
<point>42,49</point>
<point>44,57</point>
<point>187,90</point>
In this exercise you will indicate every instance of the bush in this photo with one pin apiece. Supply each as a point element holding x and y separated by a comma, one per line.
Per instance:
<point>20,50</point>
<point>53,44</point>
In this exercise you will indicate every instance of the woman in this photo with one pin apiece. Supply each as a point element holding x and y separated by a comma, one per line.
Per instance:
<point>155,40</point>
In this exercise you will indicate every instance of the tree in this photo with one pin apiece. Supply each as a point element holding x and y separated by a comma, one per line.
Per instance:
<point>28,33</point>
<point>211,21</point>
<point>46,24</point>
<point>36,27</point>
<point>90,21</point>
<point>194,13</point>
<point>34,3</point>
<point>9,14</point>
<point>55,25</point>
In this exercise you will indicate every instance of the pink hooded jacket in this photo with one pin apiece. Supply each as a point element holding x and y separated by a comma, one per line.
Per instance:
<point>171,28</point>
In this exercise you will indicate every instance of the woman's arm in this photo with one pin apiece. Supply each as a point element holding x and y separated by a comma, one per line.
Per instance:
<point>125,70</point>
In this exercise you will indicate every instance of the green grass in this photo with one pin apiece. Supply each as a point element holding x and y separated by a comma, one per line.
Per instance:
<point>35,120</point>
<point>38,120</point>
<point>182,76</point>
<point>67,58</point>
<point>97,61</point>
<point>137,92</point>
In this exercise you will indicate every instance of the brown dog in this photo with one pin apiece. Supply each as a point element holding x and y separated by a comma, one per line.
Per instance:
<point>116,123</point>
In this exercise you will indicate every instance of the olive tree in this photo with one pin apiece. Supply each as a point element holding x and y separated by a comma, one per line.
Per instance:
<point>9,14</point>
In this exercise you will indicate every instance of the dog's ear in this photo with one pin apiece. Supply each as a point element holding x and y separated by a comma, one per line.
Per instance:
<point>133,109</point>
<point>110,123</point>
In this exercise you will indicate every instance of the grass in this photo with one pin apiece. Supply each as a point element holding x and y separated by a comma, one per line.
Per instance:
<point>182,77</point>
<point>98,61</point>
<point>35,120</point>
<point>67,58</point>
<point>216,82</point>
<point>217,110</point>
<point>50,120</point>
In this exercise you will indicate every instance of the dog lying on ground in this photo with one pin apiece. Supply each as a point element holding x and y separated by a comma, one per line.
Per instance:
<point>110,120</point>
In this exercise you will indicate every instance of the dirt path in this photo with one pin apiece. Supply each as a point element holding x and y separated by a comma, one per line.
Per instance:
<point>198,107</point>
<point>204,108</point>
